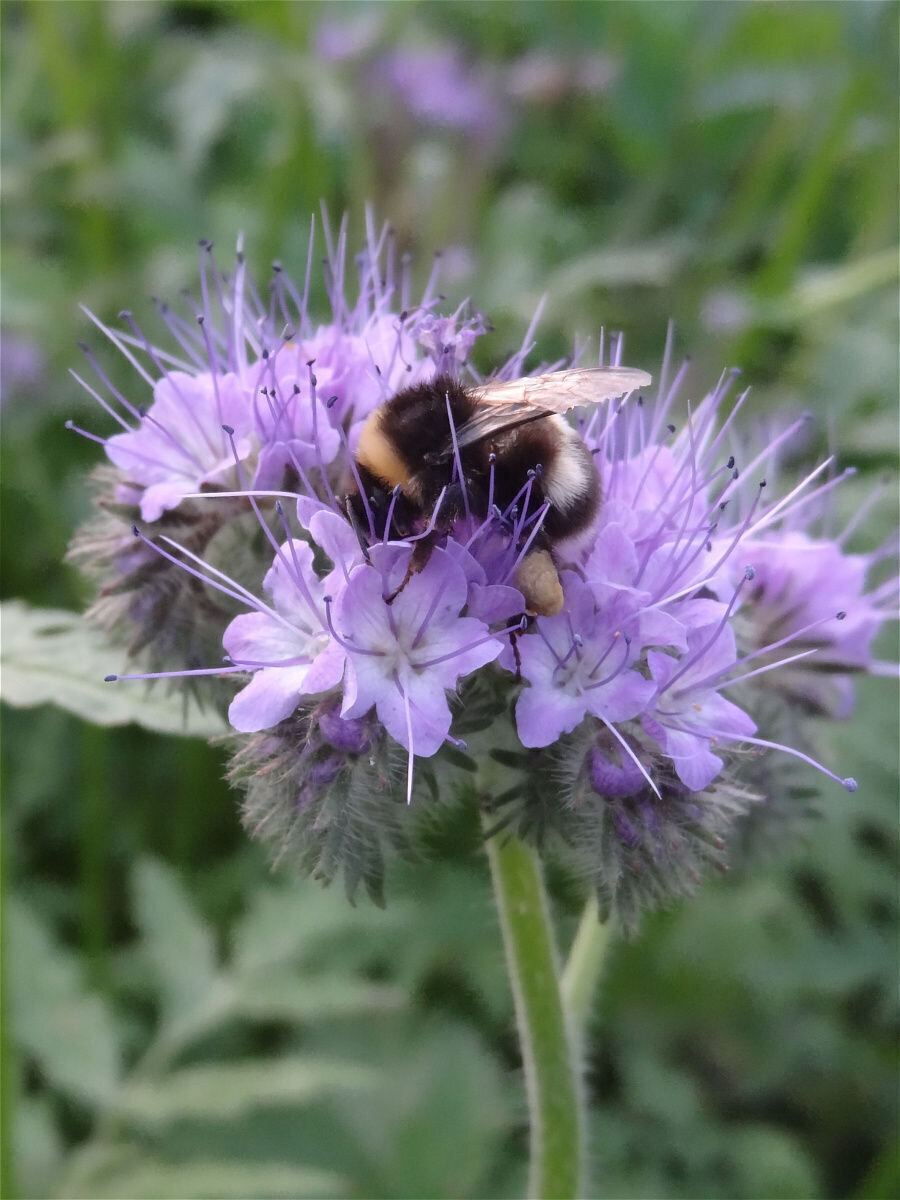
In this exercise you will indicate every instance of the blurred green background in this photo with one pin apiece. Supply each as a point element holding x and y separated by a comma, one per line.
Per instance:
<point>178,1020</point>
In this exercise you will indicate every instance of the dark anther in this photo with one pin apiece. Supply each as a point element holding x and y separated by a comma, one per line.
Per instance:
<point>762,483</point>
<point>841,615</point>
<point>110,678</point>
<point>730,462</point>
<point>331,401</point>
<point>124,314</point>
<point>671,428</point>
<point>135,531</point>
<point>229,429</point>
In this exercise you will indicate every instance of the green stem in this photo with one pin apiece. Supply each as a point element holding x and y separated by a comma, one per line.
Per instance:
<point>585,963</point>
<point>548,1053</point>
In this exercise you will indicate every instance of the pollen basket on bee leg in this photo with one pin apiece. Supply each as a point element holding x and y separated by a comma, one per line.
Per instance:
<point>537,579</point>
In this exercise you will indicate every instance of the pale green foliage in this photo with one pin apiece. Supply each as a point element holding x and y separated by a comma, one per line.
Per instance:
<point>54,657</point>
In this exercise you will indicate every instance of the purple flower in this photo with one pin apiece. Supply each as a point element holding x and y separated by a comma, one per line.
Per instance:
<point>179,444</point>
<point>809,593</point>
<point>436,87</point>
<point>577,664</point>
<point>357,644</point>
<point>291,391</point>
<point>286,645</point>
<point>402,657</point>
<point>689,716</point>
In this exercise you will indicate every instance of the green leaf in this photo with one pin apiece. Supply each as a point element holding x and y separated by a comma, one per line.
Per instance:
<point>37,1145</point>
<point>773,1164</point>
<point>50,656</point>
<point>286,922</point>
<point>293,997</point>
<point>177,942</point>
<point>68,1031</point>
<point>230,1091</point>
<point>220,1178</point>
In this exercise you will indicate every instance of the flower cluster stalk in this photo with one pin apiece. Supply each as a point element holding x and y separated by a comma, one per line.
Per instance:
<point>549,1054</point>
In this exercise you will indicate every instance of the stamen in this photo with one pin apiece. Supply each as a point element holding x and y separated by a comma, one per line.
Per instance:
<point>390,514</point>
<point>429,528</point>
<point>104,404</point>
<point>457,459</point>
<point>519,627</point>
<point>426,620</point>
<point>849,782</point>
<point>689,660</point>
<point>343,641</point>
<point>104,378</point>
<point>541,514</point>
<point>631,754</point>
<point>790,637</point>
<point>619,669</point>
<point>92,437</point>
<point>297,575</point>
<point>409,737</point>
<point>762,670</point>
<point>173,674</point>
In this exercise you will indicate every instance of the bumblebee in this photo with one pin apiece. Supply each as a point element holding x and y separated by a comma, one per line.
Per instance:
<point>441,450</point>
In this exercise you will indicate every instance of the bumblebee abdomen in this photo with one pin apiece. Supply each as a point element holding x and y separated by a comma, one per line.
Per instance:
<point>565,475</point>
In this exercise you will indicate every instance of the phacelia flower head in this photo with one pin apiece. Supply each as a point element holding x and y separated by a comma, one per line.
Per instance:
<point>388,654</point>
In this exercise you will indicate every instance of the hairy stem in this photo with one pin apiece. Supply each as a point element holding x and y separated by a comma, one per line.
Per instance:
<point>585,963</point>
<point>551,1071</point>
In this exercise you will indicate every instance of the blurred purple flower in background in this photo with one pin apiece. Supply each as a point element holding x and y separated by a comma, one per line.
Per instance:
<point>434,85</point>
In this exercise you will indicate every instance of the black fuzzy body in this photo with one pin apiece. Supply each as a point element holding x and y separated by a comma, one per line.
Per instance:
<point>416,424</point>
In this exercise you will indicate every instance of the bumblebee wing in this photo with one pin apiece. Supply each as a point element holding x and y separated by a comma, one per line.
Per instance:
<point>504,404</point>
<point>490,419</point>
<point>559,391</point>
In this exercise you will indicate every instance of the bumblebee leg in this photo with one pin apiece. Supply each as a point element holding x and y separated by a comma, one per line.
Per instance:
<point>417,561</point>
<point>514,643</point>
<point>353,518</point>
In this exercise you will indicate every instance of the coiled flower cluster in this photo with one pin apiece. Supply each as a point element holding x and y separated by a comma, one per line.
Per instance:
<point>629,728</point>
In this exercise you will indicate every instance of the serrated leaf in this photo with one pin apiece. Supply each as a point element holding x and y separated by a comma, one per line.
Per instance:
<point>51,656</point>
<point>68,1031</point>
<point>177,942</point>
<point>231,1090</point>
